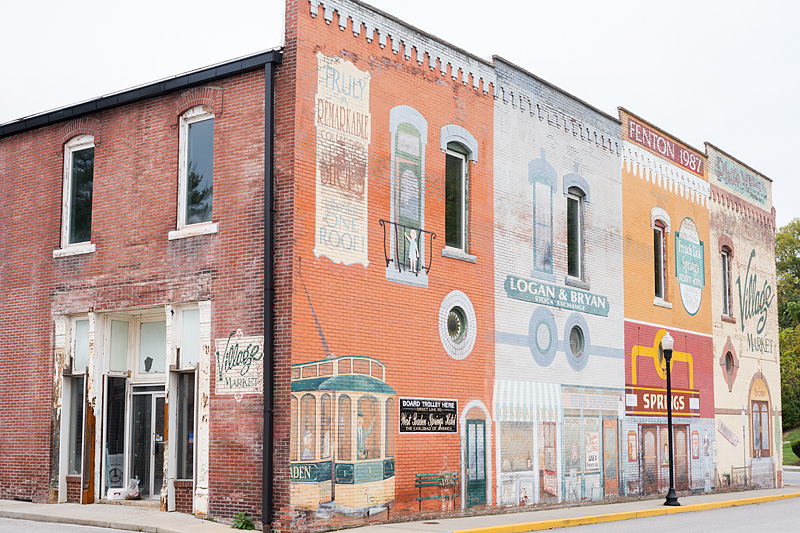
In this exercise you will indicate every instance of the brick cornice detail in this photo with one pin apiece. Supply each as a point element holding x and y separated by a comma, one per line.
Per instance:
<point>81,126</point>
<point>209,96</point>
<point>734,203</point>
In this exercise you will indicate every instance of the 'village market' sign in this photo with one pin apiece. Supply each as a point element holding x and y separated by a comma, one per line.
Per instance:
<point>546,294</point>
<point>240,364</point>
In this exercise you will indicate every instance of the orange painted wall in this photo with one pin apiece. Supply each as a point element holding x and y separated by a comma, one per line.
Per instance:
<point>639,196</point>
<point>359,311</point>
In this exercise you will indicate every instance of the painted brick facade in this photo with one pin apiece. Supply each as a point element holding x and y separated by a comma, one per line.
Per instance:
<point>746,382</point>
<point>465,291</point>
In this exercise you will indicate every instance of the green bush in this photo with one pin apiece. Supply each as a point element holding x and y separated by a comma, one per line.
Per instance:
<point>796,448</point>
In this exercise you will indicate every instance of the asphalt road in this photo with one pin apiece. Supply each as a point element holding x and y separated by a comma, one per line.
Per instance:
<point>791,478</point>
<point>11,525</point>
<point>774,517</point>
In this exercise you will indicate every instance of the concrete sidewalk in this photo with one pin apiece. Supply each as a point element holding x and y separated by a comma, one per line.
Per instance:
<point>132,518</point>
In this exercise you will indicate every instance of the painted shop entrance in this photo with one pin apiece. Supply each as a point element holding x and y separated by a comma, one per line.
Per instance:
<point>125,379</point>
<point>476,462</point>
<point>655,446</point>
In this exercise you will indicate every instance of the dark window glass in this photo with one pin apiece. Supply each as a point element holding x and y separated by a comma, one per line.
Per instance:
<point>115,431</point>
<point>185,426</point>
<point>199,171</point>
<point>574,236</point>
<point>75,443</point>
<point>658,260</point>
<point>80,203</point>
<point>454,201</point>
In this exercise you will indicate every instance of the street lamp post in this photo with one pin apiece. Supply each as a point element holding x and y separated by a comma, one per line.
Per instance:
<point>666,344</point>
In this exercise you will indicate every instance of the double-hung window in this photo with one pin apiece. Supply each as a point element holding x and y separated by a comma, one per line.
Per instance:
<point>659,260</point>
<point>76,212</point>
<point>456,197</point>
<point>196,173</point>
<point>575,232</point>
<point>725,257</point>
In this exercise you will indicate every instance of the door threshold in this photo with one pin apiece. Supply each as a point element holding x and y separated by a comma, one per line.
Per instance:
<point>147,504</point>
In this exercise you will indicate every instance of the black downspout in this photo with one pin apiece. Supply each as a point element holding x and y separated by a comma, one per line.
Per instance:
<point>269,299</point>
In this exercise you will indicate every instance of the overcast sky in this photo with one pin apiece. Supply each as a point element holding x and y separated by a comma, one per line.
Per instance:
<point>727,72</point>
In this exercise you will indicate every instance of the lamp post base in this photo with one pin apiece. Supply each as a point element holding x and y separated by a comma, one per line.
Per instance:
<point>672,498</point>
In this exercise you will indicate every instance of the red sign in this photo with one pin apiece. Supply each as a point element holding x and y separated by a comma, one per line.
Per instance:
<point>652,401</point>
<point>641,134</point>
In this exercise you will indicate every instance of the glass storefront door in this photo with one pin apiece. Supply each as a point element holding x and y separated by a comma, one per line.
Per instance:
<point>147,446</point>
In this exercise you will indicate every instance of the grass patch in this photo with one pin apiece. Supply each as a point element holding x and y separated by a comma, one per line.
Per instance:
<point>789,458</point>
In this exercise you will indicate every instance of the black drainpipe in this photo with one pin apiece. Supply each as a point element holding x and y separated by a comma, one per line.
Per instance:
<point>269,299</point>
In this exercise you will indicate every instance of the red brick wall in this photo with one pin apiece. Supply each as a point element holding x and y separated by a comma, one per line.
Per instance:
<point>135,265</point>
<point>184,498</point>
<point>283,198</point>
<point>74,489</point>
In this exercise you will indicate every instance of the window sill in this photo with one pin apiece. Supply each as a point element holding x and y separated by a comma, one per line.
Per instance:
<point>728,319</point>
<point>660,302</point>
<point>75,249</point>
<point>195,230</point>
<point>455,253</point>
<point>576,282</point>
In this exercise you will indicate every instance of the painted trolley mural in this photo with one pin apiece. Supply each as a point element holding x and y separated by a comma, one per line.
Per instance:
<point>343,435</point>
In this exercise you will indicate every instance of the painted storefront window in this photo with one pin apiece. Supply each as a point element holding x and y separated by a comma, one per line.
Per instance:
<point>543,178</point>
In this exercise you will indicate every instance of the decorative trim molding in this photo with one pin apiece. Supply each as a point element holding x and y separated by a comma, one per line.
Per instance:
<point>665,174</point>
<point>81,126</point>
<point>212,97</point>
<point>398,35</point>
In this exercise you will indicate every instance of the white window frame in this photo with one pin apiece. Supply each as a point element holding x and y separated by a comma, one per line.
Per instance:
<point>727,307</point>
<point>579,200</point>
<point>80,142</point>
<point>659,215</point>
<point>662,267</point>
<point>464,210</point>
<point>196,114</point>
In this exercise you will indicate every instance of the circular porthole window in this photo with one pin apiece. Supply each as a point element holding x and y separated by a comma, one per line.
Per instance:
<point>576,341</point>
<point>543,336</point>
<point>457,325</point>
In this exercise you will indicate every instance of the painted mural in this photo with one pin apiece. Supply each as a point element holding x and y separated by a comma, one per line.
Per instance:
<point>558,398</point>
<point>343,124</point>
<point>747,370</point>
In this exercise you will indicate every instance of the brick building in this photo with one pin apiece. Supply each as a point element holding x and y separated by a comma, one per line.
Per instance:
<point>148,246</point>
<point>469,272</point>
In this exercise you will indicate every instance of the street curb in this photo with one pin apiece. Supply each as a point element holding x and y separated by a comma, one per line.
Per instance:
<point>90,522</point>
<point>613,517</point>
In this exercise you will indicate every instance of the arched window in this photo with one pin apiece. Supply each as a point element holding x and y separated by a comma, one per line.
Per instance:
<point>459,147</point>
<point>660,222</point>
<point>575,205</point>
<point>660,260</point>
<point>345,429</point>
<point>196,170</point>
<point>543,178</point>
<point>368,429</point>
<point>390,425</point>
<point>726,254</point>
<point>76,224</point>
<point>325,426</point>
<point>308,427</point>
